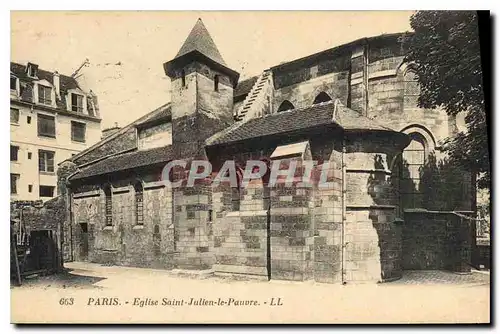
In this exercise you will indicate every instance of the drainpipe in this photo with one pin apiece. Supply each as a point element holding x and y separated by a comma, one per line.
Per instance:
<point>344,217</point>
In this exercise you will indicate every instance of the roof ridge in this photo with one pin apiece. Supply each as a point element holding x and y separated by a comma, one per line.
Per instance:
<point>224,131</point>
<point>117,133</point>
<point>199,39</point>
<point>44,70</point>
<point>298,109</point>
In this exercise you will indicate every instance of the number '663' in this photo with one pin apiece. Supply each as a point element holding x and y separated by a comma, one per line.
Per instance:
<point>66,301</point>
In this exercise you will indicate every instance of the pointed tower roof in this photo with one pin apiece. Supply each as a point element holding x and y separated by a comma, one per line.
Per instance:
<point>199,46</point>
<point>199,39</point>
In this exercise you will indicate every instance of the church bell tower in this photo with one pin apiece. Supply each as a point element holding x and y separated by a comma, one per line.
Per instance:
<point>201,92</point>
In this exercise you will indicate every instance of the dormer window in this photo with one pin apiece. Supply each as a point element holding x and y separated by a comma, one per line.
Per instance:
<point>32,70</point>
<point>13,83</point>
<point>77,103</point>
<point>44,95</point>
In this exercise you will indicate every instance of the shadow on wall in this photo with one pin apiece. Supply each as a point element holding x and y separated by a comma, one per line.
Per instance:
<point>444,186</point>
<point>383,189</point>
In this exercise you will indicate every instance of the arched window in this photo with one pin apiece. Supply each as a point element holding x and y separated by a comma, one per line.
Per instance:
<point>285,105</point>
<point>183,78</point>
<point>216,83</point>
<point>414,157</point>
<point>322,97</point>
<point>139,207</point>
<point>108,205</point>
<point>411,89</point>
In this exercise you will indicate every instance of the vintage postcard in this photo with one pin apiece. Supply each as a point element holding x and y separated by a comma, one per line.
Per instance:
<point>257,167</point>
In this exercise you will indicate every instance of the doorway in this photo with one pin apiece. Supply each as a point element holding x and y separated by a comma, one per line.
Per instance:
<point>84,242</point>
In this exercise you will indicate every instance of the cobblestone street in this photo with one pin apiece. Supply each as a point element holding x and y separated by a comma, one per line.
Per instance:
<point>420,297</point>
<point>442,277</point>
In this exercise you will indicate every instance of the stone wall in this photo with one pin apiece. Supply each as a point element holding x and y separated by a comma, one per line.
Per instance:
<point>127,241</point>
<point>328,222</point>
<point>193,223</point>
<point>198,110</point>
<point>51,216</point>
<point>436,240</point>
<point>240,236</point>
<point>292,227</point>
<point>302,94</point>
<point>372,233</point>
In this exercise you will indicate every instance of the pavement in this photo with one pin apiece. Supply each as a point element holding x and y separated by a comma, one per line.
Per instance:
<point>91,293</point>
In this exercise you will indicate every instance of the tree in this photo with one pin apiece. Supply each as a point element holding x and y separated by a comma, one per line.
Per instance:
<point>444,49</point>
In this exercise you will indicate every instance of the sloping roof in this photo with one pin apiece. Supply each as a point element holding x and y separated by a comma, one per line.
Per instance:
<point>126,161</point>
<point>66,82</point>
<point>324,114</point>
<point>200,40</point>
<point>244,87</point>
<point>163,112</point>
<point>160,112</point>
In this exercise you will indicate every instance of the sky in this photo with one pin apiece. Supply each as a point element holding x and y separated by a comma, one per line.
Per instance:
<point>126,49</point>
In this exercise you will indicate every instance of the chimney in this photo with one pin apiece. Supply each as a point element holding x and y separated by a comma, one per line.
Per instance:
<point>57,83</point>
<point>109,131</point>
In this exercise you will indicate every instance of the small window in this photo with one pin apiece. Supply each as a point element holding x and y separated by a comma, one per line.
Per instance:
<point>32,70</point>
<point>46,161</point>
<point>78,131</point>
<point>216,83</point>
<point>321,98</point>
<point>14,179</point>
<point>44,95</point>
<point>47,191</point>
<point>30,188</point>
<point>13,83</point>
<point>77,103</point>
<point>29,155</point>
<point>46,126</point>
<point>28,119</point>
<point>139,208</point>
<point>411,90</point>
<point>108,205</point>
<point>14,116</point>
<point>285,105</point>
<point>183,78</point>
<point>14,150</point>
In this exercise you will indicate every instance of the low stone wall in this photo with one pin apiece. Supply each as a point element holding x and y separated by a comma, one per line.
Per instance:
<point>49,216</point>
<point>240,237</point>
<point>435,240</point>
<point>147,243</point>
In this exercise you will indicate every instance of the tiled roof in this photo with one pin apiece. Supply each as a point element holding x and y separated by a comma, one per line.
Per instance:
<point>158,113</point>
<point>126,161</point>
<point>297,119</point>
<point>244,87</point>
<point>66,82</point>
<point>162,112</point>
<point>200,40</point>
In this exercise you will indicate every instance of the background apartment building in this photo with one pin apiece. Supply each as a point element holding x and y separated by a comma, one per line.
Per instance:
<point>51,119</point>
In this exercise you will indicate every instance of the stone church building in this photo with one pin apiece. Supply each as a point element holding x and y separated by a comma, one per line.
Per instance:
<point>352,108</point>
